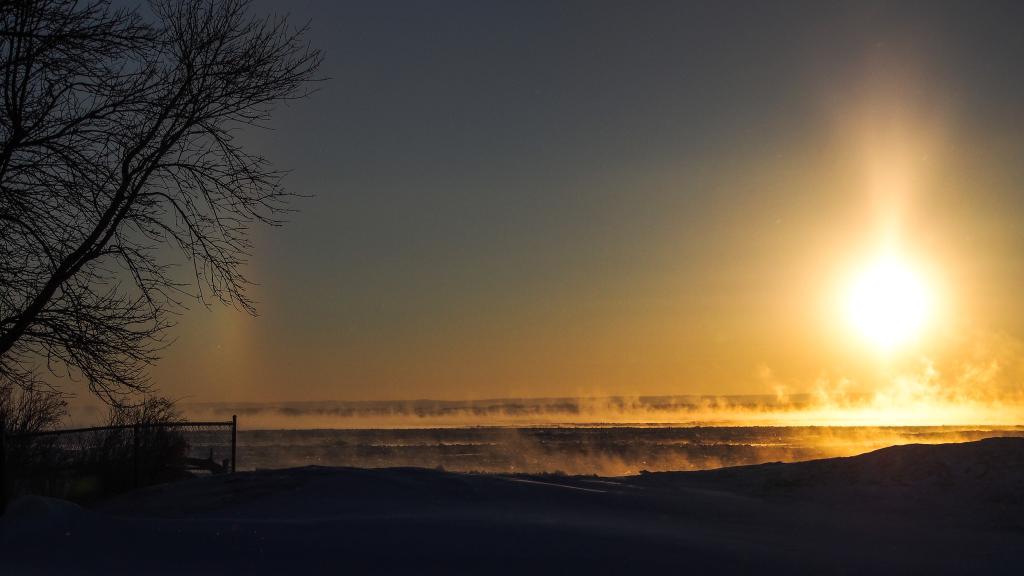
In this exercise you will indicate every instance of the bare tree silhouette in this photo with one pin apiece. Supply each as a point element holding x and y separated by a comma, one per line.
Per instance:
<point>117,143</point>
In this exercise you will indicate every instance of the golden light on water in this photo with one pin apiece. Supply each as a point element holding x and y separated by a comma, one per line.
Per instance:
<point>888,303</point>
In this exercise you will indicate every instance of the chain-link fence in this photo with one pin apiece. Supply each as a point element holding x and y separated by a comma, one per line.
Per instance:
<point>86,464</point>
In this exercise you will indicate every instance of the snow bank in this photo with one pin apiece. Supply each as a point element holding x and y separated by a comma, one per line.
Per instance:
<point>944,509</point>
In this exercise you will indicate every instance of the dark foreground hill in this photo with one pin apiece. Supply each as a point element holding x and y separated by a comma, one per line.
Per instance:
<point>916,509</point>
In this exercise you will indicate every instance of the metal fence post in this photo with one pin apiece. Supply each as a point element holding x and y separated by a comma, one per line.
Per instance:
<point>3,471</point>
<point>234,441</point>
<point>135,453</point>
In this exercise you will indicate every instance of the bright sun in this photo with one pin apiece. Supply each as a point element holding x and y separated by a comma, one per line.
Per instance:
<point>888,304</point>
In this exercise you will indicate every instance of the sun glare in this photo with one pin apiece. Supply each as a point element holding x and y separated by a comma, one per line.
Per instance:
<point>888,304</point>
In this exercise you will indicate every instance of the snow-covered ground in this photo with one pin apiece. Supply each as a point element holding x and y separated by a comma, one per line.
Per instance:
<point>939,509</point>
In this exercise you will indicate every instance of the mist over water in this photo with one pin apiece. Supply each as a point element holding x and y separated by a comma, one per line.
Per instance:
<point>905,403</point>
<point>605,436</point>
<point>605,450</point>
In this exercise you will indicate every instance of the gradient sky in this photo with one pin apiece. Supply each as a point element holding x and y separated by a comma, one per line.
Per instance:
<point>589,198</point>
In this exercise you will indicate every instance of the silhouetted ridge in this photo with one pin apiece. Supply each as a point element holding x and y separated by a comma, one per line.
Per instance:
<point>994,466</point>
